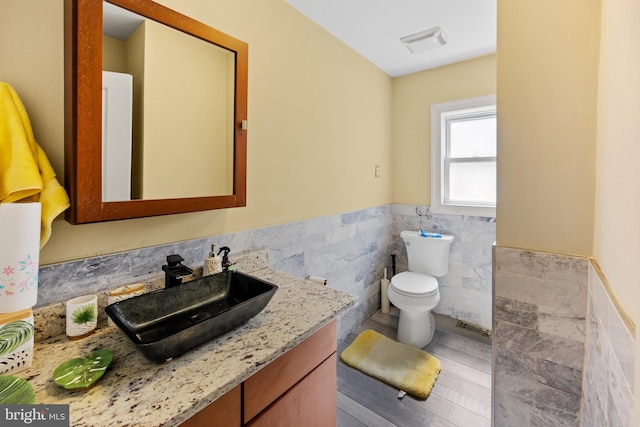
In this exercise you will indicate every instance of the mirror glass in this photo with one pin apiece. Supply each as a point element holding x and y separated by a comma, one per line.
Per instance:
<point>167,111</point>
<point>155,112</point>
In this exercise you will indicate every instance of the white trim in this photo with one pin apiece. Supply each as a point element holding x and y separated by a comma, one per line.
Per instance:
<point>438,144</point>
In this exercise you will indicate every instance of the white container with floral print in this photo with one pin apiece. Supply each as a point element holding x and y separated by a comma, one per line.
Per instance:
<point>19,255</point>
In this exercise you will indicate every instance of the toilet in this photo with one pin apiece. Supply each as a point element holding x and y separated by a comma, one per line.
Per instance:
<point>415,292</point>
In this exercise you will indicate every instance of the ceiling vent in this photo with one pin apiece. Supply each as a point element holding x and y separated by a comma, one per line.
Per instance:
<point>425,40</point>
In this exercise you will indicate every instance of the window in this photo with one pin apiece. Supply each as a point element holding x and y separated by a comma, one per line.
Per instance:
<point>463,157</point>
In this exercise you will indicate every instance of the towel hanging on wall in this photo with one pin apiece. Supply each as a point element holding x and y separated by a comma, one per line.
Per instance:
<point>25,172</point>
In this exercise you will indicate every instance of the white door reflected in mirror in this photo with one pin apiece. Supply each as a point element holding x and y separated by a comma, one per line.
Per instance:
<point>117,93</point>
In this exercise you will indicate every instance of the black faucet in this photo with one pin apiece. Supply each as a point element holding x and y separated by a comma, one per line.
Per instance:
<point>174,271</point>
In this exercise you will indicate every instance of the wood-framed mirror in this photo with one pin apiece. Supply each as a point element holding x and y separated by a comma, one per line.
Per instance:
<point>86,166</point>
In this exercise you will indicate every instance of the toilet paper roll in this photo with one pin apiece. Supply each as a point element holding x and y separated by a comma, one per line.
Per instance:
<point>19,255</point>
<point>318,280</point>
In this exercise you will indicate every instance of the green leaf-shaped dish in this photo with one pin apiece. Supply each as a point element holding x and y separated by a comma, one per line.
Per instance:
<point>83,373</point>
<point>15,390</point>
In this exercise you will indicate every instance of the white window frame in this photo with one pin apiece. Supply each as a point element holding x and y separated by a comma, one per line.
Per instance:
<point>439,113</point>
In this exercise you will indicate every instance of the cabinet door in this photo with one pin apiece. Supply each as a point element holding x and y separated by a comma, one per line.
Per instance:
<point>272,381</point>
<point>310,403</point>
<point>223,412</point>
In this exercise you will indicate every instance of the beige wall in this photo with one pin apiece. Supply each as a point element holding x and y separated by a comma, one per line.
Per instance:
<point>617,225</point>
<point>114,55</point>
<point>135,66</point>
<point>547,79</point>
<point>617,203</point>
<point>413,96</point>
<point>33,65</point>
<point>319,121</point>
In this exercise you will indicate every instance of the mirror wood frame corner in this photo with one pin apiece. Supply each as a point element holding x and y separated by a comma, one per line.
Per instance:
<point>83,114</point>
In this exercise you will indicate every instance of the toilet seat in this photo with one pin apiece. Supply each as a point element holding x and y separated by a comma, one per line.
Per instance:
<point>413,284</point>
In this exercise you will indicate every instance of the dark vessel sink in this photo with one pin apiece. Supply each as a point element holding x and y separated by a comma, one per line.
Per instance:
<point>169,322</point>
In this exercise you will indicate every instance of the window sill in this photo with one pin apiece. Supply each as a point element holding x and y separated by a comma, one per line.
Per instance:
<point>484,211</point>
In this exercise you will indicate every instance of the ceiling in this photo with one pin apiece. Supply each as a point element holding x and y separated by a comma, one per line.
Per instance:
<point>373,28</point>
<point>119,23</point>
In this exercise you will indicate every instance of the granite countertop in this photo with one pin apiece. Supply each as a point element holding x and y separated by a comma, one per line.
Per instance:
<point>137,392</point>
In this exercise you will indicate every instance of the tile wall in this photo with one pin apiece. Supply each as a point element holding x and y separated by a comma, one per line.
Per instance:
<point>539,333</point>
<point>348,249</point>
<point>351,250</point>
<point>607,391</point>
<point>563,353</point>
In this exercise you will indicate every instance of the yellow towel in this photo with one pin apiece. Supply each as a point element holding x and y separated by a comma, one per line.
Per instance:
<point>25,172</point>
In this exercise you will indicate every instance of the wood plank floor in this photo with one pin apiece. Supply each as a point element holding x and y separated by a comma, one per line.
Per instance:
<point>461,396</point>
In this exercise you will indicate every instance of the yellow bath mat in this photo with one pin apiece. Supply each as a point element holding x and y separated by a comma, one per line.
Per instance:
<point>399,365</point>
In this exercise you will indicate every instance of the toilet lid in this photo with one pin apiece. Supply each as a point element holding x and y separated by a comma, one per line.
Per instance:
<point>410,283</point>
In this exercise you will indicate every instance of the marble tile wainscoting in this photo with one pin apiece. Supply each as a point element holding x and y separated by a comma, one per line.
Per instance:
<point>563,351</point>
<point>349,249</point>
<point>539,333</point>
<point>608,389</point>
<point>465,292</point>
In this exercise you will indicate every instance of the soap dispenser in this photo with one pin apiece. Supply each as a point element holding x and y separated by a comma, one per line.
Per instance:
<point>212,263</point>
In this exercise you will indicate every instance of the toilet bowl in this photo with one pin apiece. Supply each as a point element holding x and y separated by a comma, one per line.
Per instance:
<point>415,295</point>
<point>416,292</point>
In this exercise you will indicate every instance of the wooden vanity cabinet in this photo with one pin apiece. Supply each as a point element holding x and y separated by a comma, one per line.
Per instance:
<point>310,403</point>
<point>296,389</point>
<point>223,412</point>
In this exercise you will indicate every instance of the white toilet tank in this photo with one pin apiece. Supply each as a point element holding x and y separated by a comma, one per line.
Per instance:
<point>427,255</point>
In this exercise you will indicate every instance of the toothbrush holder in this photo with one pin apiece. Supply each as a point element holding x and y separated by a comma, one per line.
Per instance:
<point>82,316</point>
